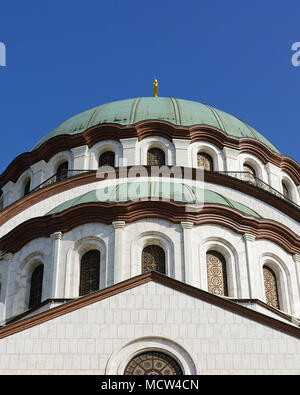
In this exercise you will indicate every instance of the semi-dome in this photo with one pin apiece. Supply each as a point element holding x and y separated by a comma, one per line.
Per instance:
<point>133,191</point>
<point>178,112</point>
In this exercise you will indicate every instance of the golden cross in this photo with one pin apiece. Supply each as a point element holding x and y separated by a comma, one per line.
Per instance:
<point>155,86</point>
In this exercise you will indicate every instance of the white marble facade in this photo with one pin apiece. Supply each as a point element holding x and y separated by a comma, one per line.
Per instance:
<point>102,337</point>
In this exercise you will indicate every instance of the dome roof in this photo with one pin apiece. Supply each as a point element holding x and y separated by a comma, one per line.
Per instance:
<point>178,112</point>
<point>169,191</point>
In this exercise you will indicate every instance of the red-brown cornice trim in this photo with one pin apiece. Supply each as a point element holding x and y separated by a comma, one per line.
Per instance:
<point>138,210</point>
<point>142,130</point>
<point>144,279</point>
<point>87,178</point>
<point>266,306</point>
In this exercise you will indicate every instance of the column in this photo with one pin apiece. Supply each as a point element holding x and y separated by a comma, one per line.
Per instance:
<point>187,251</point>
<point>181,147</point>
<point>251,266</point>
<point>56,241</point>
<point>118,257</point>
<point>80,155</point>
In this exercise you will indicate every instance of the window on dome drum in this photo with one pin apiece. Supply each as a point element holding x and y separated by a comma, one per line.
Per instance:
<point>205,161</point>
<point>153,363</point>
<point>36,285</point>
<point>62,171</point>
<point>153,258</point>
<point>271,289</point>
<point>26,188</point>
<point>107,159</point>
<point>285,191</point>
<point>216,273</point>
<point>250,173</point>
<point>156,157</point>
<point>89,272</point>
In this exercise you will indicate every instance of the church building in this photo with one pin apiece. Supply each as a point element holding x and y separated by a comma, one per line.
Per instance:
<point>150,236</point>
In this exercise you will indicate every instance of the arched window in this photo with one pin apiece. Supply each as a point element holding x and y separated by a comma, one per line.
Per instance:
<point>62,171</point>
<point>216,273</point>
<point>36,285</point>
<point>89,272</point>
<point>250,173</point>
<point>153,258</point>
<point>153,363</point>
<point>26,187</point>
<point>285,191</point>
<point>205,161</point>
<point>107,159</point>
<point>156,157</point>
<point>271,290</point>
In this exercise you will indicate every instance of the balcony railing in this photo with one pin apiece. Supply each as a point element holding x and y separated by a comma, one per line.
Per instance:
<point>249,178</point>
<point>240,175</point>
<point>66,174</point>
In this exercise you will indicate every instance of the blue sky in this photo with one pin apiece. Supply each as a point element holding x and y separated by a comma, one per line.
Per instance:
<point>64,57</point>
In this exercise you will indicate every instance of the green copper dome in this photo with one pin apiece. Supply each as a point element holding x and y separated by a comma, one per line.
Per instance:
<point>169,191</point>
<point>178,112</point>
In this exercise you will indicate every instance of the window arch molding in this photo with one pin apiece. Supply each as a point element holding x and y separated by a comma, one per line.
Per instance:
<point>156,142</point>
<point>121,357</point>
<point>232,264</point>
<point>100,148</point>
<point>152,238</point>
<point>203,147</point>
<point>256,164</point>
<point>56,161</point>
<point>282,279</point>
<point>27,176</point>
<point>22,281</point>
<point>73,262</point>
<point>293,193</point>
<point>37,274</point>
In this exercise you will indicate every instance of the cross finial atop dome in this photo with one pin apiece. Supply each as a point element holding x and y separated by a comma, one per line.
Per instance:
<point>155,86</point>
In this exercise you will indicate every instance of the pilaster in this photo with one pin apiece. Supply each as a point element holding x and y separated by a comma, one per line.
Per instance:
<point>8,193</point>
<point>38,170</point>
<point>251,265</point>
<point>231,156</point>
<point>129,152</point>
<point>56,241</point>
<point>296,258</point>
<point>274,176</point>
<point>118,250</point>
<point>80,155</point>
<point>187,248</point>
<point>181,148</point>
<point>6,301</point>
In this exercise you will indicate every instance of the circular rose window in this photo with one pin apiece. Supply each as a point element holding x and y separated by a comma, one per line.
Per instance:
<point>153,363</point>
